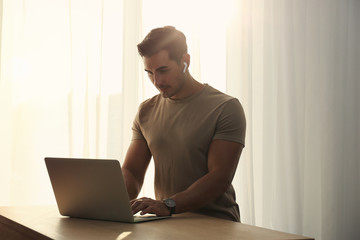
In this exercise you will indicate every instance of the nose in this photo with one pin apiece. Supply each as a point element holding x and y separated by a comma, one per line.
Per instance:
<point>157,79</point>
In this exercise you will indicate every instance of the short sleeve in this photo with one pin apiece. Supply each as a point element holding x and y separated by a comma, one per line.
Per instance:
<point>231,124</point>
<point>136,129</point>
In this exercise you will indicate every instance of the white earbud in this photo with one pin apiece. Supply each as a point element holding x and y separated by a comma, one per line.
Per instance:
<point>185,67</point>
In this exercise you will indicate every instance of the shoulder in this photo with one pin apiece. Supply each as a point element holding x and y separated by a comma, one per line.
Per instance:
<point>220,99</point>
<point>150,103</point>
<point>230,121</point>
<point>148,106</point>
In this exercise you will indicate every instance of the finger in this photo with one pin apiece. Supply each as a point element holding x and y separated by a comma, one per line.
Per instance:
<point>151,209</point>
<point>144,199</point>
<point>135,203</point>
<point>139,205</point>
<point>139,200</point>
<point>156,208</point>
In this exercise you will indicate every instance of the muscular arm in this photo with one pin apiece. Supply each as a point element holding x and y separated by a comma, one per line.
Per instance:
<point>223,158</point>
<point>134,167</point>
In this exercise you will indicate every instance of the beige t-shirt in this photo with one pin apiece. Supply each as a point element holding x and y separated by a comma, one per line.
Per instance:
<point>179,133</point>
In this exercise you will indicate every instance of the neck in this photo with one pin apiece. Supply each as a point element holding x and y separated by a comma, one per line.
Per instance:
<point>191,87</point>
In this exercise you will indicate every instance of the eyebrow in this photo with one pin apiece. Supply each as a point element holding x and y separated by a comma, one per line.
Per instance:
<point>159,68</point>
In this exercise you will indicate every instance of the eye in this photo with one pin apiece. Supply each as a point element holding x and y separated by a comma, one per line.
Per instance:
<point>163,70</point>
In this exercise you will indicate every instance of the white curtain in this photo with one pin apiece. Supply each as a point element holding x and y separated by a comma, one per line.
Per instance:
<point>71,82</point>
<point>61,90</point>
<point>295,66</point>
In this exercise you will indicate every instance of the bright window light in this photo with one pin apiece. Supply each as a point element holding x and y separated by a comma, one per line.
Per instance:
<point>205,24</point>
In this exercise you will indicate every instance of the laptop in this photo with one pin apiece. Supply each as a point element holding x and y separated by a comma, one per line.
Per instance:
<point>91,189</point>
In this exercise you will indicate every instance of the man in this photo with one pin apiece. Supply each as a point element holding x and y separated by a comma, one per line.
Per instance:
<point>194,133</point>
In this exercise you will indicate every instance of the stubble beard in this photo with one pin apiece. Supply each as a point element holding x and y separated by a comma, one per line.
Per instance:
<point>182,81</point>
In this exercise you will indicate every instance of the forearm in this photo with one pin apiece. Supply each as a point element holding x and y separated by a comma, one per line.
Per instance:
<point>223,158</point>
<point>136,162</point>
<point>133,185</point>
<point>201,192</point>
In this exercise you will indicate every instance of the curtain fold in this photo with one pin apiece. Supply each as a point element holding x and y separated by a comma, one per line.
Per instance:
<point>299,83</point>
<point>61,89</point>
<point>71,81</point>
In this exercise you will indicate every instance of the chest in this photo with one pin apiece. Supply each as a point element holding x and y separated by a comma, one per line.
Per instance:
<point>184,127</point>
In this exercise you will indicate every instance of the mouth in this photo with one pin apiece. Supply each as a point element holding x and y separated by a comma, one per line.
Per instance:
<point>163,88</point>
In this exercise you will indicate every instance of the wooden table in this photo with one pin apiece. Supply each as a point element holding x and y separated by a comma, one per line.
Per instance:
<point>44,222</point>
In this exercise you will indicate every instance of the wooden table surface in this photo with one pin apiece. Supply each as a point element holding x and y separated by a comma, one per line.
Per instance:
<point>44,222</point>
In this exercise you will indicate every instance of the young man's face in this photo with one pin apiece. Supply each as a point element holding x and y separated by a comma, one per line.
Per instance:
<point>167,76</point>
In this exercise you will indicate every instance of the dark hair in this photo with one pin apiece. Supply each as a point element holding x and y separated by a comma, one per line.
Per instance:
<point>166,38</point>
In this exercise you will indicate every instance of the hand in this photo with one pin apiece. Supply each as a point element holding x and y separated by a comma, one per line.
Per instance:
<point>148,205</point>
